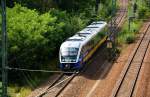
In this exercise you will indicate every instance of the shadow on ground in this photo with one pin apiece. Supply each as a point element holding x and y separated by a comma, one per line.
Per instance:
<point>97,66</point>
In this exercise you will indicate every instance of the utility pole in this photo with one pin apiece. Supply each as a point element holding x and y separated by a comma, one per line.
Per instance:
<point>113,23</point>
<point>4,49</point>
<point>111,42</point>
<point>113,13</point>
<point>114,28</point>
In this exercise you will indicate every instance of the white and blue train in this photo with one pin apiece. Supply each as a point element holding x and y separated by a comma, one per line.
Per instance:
<point>76,50</point>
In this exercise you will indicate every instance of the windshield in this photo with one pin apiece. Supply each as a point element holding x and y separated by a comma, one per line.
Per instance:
<point>69,54</point>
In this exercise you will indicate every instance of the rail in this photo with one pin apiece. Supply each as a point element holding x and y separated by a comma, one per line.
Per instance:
<point>121,82</point>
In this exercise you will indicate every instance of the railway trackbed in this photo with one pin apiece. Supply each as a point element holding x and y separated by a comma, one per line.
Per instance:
<point>119,19</point>
<point>60,83</point>
<point>125,86</point>
<point>57,86</point>
<point>121,14</point>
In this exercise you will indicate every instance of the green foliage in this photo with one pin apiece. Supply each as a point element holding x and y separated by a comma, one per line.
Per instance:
<point>16,91</point>
<point>105,13</point>
<point>128,36</point>
<point>75,4</point>
<point>26,30</point>
<point>41,5</point>
<point>86,7</point>
<point>143,9</point>
<point>71,24</point>
<point>46,5</point>
<point>143,12</point>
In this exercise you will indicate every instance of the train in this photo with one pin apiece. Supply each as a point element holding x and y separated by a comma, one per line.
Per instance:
<point>77,50</point>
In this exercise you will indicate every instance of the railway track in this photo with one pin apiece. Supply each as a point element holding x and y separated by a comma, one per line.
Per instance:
<point>54,88</point>
<point>121,13</point>
<point>57,86</point>
<point>125,86</point>
<point>118,20</point>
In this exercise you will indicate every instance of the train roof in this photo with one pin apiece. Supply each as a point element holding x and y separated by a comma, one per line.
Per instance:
<point>83,36</point>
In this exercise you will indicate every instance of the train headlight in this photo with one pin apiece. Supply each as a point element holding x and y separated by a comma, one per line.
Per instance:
<point>67,65</point>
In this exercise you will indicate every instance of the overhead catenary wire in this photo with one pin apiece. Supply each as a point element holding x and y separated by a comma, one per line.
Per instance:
<point>52,71</point>
<point>33,70</point>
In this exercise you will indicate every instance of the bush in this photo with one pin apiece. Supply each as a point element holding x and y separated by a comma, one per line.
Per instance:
<point>26,34</point>
<point>130,38</point>
<point>143,12</point>
<point>143,9</point>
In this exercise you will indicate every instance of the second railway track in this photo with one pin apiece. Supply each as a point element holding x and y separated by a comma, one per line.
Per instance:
<point>127,82</point>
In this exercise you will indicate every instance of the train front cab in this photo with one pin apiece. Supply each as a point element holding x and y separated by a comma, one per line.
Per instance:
<point>69,59</point>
